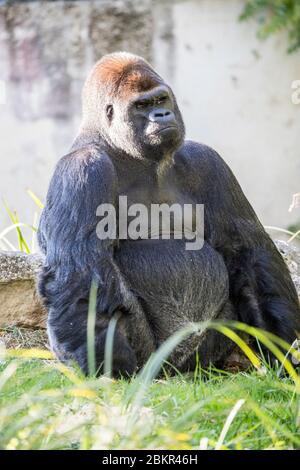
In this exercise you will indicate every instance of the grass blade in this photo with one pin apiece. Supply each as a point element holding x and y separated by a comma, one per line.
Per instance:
<point>228,422</point>
<point>34,197</point>
<point>108,354</point>
<point>91,323</point>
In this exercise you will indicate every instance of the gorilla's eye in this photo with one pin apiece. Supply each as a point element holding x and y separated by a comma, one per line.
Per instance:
<point>142,104</point>
<point>109,111</point>
<point>161,100</point>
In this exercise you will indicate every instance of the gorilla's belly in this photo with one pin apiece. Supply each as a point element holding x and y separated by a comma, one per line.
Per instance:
<point>174,286</point>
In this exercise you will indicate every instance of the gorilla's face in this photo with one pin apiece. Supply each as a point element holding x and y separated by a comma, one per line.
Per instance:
<point>147,125</point>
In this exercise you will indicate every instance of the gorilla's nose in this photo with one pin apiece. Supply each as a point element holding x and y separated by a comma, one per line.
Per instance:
<point>161,116</point>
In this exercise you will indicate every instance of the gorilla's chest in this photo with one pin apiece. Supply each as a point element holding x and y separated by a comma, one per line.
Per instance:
<point>143,186</point>
<point>155,204</point>
<point>149,193</point>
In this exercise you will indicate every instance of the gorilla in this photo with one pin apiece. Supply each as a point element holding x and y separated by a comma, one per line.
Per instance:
<point>131,143</point>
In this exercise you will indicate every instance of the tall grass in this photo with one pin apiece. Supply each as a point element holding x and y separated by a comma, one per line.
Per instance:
<point>46,405</point>
<point>18,228</point>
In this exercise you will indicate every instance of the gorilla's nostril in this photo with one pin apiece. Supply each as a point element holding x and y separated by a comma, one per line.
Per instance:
<point>163,114</point>
<point>160,115</point>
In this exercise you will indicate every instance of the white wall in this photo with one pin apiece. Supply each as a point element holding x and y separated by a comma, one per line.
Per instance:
<point>235,94</point>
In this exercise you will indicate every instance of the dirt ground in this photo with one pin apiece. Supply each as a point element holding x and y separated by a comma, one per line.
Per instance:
<point>24,338</point>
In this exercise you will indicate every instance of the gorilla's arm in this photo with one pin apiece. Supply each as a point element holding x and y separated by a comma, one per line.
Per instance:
<point>75,255</point>
<point>67,233</point>
<point>261,288</point>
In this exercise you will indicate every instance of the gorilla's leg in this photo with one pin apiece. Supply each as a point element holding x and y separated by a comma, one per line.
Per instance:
<point>175,287</point>
<point>67,304</point>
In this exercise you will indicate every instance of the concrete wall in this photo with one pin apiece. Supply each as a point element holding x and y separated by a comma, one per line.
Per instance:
<point>235,94</point>
<point>234,91</point>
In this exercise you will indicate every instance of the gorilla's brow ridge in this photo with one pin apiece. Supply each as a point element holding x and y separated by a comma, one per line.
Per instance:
<point>125,76</point>
<point>136,77</point>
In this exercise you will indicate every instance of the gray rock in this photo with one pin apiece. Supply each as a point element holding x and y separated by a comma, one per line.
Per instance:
<point>19,301</point>
<point>15,266</point>
<point>291,255</point>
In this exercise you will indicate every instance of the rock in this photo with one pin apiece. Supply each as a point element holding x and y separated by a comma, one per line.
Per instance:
<point>17,266</point>
<point>19,302</point>
<point>291,256</point>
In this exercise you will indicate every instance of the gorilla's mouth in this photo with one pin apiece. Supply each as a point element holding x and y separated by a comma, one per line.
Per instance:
<point>161,130</point>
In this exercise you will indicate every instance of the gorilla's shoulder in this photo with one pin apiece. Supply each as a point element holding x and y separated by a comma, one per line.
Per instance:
<point>197,156</point>
<point>86,154</point>
<point>86,159</point>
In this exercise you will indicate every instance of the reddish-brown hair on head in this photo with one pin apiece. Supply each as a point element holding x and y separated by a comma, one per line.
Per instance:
<point>123,73</point>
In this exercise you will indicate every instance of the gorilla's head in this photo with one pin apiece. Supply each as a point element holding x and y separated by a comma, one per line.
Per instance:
<point>131,107</point>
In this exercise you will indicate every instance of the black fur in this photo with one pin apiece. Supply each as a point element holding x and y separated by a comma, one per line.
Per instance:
<point>156,284</point>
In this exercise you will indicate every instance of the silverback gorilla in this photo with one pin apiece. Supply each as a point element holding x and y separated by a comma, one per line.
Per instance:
<point>131,143</point>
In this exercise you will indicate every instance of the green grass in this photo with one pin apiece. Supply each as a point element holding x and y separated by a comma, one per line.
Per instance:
<point>19,230</point>
<point>44,405</point>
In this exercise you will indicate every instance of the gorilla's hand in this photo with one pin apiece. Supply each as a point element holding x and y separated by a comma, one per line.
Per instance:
<point>123,358</point>
<point>115,295</point>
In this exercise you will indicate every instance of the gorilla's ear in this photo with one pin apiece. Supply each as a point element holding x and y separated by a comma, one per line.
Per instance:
<point>109,112</point>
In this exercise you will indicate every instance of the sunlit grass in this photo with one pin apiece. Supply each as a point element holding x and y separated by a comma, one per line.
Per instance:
<point>18,229</point>
<point>47,405</point>
<point>41,408</point>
